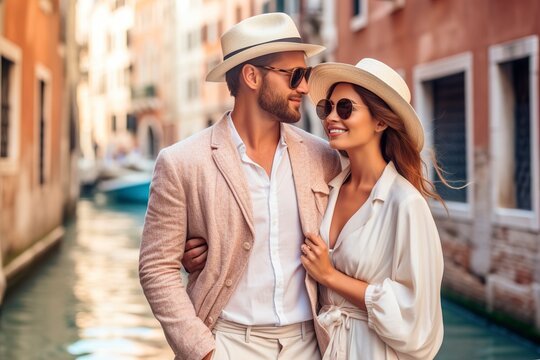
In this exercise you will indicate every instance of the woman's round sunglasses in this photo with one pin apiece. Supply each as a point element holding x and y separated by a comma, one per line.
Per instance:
<point>344,108</point>
<point>296,74</point>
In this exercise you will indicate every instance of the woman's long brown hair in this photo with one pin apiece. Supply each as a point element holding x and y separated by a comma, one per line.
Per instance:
<point>397,146</point>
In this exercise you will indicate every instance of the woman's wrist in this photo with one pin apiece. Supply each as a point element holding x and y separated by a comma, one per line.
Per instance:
<point>330,278</point>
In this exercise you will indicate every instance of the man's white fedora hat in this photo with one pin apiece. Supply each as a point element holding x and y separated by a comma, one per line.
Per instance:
<point>257,36</point>
<point>376,77</point>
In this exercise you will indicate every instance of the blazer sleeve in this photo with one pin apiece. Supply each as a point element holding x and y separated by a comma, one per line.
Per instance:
<point>406,311</point>
<point>162,249</point>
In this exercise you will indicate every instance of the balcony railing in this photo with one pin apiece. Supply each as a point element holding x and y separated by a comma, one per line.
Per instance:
<point>147,91</point>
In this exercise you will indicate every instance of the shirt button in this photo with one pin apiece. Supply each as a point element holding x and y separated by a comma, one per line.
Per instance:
<point>210,320</point>
<point>228,283</point>
<point>246,246</point>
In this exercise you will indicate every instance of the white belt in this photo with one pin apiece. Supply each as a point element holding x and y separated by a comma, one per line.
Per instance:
<point>337,321</point>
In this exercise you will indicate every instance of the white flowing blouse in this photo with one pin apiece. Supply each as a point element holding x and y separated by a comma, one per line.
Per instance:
<point>392,243</point>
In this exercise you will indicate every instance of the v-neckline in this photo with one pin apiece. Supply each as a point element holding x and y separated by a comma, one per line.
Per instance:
<point>362,214</point>
<point>353,216</point>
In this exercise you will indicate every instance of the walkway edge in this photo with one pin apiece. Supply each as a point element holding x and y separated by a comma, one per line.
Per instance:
<point>29,256</point>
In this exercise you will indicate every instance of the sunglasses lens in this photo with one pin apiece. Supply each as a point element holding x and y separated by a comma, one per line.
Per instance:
<point>296,77</point>
<point>308,73</point>
<point>324,108</point>
<point>344,108</point>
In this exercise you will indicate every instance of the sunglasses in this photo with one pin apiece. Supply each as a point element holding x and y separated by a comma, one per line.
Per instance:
<point>344,108</point>
<point>296,74</point>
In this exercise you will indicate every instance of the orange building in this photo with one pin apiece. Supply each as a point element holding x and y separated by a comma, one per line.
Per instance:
<point>472,67</point>
<point>36,150</point>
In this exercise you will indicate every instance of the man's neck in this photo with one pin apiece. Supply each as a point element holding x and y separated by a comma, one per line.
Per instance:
<point>258,130</point>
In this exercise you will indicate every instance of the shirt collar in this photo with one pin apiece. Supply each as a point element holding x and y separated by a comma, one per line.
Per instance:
<point>239,143</point>
<point>382,187</point>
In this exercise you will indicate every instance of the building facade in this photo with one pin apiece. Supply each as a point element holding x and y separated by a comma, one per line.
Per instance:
<point>36,150</point>
<point>153,47</point>
<point>107,64</point>
<point>472,67</point>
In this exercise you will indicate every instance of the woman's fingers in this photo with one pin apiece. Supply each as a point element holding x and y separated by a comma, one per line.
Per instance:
<point>316,248</point>
<point>193,243</point>
<point>196,251</point>
<point>315,240</point>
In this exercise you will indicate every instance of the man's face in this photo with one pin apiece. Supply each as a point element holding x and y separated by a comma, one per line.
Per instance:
<point>275,96</point>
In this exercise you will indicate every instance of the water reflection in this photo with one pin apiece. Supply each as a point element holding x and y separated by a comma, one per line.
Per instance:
<point>467,336</point>
<point>85,302</point>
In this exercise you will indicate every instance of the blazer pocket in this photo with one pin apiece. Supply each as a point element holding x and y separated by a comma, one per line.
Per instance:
<point>320,193</point>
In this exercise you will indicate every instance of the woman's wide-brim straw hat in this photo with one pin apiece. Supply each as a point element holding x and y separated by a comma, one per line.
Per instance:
<point>257,36</point>
<point>376,77</point>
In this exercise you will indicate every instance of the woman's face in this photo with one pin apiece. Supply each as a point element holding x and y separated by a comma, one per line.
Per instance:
<point>359,130</point>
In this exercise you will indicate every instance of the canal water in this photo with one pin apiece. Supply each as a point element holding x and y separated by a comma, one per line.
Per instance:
<point>84,302</point>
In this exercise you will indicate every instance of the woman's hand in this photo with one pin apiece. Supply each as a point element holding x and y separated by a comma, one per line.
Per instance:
<point>195,253</point>
<point>316,259</point>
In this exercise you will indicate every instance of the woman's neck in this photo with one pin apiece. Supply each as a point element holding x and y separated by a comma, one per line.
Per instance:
<point>367,165</point>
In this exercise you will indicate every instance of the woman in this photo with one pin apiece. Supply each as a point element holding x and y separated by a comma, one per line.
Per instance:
<point>378,258</point>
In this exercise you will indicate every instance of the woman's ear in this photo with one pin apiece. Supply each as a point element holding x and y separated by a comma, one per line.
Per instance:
<point>251,76</point>
<point>380,126</point>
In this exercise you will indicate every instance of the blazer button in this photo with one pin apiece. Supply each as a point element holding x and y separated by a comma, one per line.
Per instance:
<point>228,283</point>
<point>247,246</point>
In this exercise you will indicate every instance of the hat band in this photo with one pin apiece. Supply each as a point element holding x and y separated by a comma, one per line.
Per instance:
<point>290,39</point>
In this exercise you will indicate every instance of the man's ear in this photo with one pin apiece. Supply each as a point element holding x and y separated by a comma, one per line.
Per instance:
<point>251,76</point>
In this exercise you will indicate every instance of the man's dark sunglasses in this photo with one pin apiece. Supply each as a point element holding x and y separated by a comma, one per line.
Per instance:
<point>344,108</point>
<point>296,74</point>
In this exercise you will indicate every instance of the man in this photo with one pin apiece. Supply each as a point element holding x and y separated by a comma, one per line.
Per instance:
<point>251,185</point>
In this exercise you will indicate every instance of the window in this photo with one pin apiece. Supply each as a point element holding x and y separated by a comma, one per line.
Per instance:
<point>204,33</point>
<point>5,115</point>
<point>43,118</point>
<point>443,101</point>
<point>131,125</point>
<point>280,5</point>
<point>10,99</point>
<point>359,14</point>
<point>514,132</point>
<point>449,133</point>
<point>114,125</point>
<point>41,132</point>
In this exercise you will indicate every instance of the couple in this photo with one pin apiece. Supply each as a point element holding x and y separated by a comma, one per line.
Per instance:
<point>260,190</point>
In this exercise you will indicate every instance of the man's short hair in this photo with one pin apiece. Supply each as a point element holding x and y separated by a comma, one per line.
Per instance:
<point>232,77</point>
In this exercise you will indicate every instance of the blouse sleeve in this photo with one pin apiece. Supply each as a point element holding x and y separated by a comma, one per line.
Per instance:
<point>406,311</point>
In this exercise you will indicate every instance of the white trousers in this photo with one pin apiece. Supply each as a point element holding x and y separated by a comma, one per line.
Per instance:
<point>290,342</point>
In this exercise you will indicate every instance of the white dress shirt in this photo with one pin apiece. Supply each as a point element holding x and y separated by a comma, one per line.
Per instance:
<point>272,290</point>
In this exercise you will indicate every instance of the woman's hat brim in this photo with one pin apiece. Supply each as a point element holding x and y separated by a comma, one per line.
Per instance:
<point>325,75</point>
<point>218,73</point>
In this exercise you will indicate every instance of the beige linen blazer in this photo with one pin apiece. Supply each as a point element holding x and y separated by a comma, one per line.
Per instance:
<point>199,190</point>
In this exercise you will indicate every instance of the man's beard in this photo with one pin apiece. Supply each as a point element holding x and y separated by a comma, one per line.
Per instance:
<point>270,102</point>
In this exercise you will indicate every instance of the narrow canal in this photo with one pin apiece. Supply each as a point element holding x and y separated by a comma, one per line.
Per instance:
<point>84,302</point>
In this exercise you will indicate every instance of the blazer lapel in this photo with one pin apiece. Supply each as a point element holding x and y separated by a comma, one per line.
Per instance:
<point>299,158</point>
<point>228,163</point>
